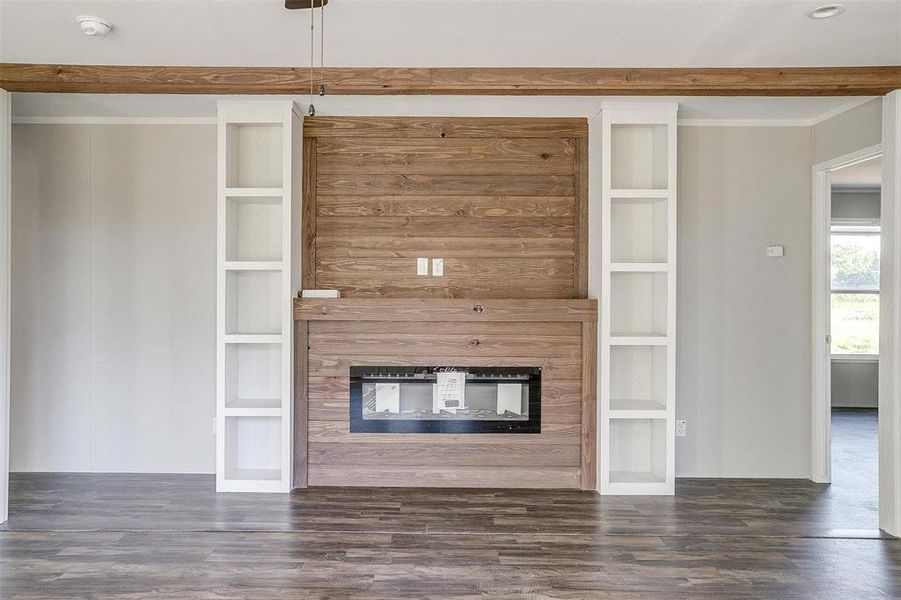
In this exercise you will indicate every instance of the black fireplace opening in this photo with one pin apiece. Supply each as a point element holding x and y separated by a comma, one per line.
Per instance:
<point>445,399</point>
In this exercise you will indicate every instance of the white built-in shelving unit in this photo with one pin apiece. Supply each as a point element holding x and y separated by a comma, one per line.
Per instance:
<point>258,197</point>
<point>638,299</point>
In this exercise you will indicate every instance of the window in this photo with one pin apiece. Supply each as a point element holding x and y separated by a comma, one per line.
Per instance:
<point>855,288</point>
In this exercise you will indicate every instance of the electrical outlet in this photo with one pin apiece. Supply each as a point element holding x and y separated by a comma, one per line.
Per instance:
<point>438,267</point>
<point>681,424</point>
<point>775,251</point>
<point>422,266</point>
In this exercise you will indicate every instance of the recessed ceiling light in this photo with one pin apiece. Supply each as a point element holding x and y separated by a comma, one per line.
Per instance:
<point>826,11</point>
<point>95,26</point>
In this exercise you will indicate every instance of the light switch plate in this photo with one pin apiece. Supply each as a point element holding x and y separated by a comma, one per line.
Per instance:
<point>422,266</point>
<point>775,251</point>
<point>681,425</point>
<point>438,267</point>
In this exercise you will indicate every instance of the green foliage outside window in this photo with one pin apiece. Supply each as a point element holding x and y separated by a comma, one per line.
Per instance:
<point>855,262</point>
<point>855,323</point>
<point>855,316</point>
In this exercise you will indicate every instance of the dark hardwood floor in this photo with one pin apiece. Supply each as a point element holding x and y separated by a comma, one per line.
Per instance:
<point>853,496</point>
<point>172,536</point>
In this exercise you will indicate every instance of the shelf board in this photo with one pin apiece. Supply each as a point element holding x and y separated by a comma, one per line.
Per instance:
<point>239,192</point>
<point>636,477</point>
<point>636,484</point>
<point>253,338</point>
<point>635,404</point>
<point>637,414</point>
<point>252,480</point>
<point>253,403</point>
<point>617,193</point>
<point>638,267</point>
<point>639,340</point>
<point>254,475</point>
<point>253,265</point>
<point>246,411</point>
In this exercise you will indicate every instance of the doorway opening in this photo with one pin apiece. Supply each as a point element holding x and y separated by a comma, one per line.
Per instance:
<point>847,414</point>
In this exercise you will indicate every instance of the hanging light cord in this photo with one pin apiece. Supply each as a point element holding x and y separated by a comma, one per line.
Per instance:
<point>312,110</point>
<point>321,48</point>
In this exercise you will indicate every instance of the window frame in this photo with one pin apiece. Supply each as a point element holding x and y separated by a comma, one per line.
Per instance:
<point>851,226</point>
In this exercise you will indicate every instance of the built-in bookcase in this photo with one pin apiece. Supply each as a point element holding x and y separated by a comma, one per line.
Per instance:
<point>638,299</point>
<point>258,195</point>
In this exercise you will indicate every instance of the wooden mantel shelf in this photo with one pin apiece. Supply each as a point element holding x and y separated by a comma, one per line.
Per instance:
<point>422,309</point>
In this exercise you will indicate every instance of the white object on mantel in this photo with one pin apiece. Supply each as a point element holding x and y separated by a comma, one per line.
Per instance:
<point>321,294</point>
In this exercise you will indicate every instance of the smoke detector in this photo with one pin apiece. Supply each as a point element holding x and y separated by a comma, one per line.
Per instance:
<point>95,26</point>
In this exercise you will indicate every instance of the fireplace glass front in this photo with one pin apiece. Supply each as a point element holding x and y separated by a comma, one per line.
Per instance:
<point>445,399</point>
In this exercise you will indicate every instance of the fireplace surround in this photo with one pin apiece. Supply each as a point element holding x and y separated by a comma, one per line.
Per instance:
<point>558,335</point>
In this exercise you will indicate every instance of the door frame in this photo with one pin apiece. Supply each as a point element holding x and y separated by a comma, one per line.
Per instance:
<point>821,393</point>
<point>5,280</point>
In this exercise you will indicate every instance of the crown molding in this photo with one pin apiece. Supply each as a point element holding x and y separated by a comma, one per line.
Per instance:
<point>744,123</point>
<point>114,120</point>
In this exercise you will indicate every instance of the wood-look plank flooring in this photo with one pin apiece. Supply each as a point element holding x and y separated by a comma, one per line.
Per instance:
<point>853,496</point>
<point>172,536</point>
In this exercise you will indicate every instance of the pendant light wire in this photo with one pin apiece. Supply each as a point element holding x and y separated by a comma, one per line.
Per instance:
<point>321,48</point>
<point>312,110</point>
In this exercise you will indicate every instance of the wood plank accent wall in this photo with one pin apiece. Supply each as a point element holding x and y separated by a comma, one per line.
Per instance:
<point>558,335</point>
<point>560,81</point>
<point>502,201</point>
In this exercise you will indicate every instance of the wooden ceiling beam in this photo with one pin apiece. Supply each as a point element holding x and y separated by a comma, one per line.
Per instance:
<point>122,79</point>
<point>820,81</point>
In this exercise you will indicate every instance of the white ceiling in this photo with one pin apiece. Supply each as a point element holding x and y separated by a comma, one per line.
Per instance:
<point>863,175</point>
<point>585,33</point>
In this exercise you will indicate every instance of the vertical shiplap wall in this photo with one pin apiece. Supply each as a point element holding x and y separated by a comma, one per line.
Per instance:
<point>113,303</point>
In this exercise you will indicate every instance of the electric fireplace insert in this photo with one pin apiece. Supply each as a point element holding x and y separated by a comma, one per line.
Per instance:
<point>446,399</point>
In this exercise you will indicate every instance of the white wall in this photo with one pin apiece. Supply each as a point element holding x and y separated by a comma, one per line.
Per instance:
<point>855,383</point>
<point>890,321</point>
<point>743,371</point>
<point>851,130</point>
<point>113,357</point>
<point>861,204</point>
<point>743,365</point>
<point>5,139</point>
